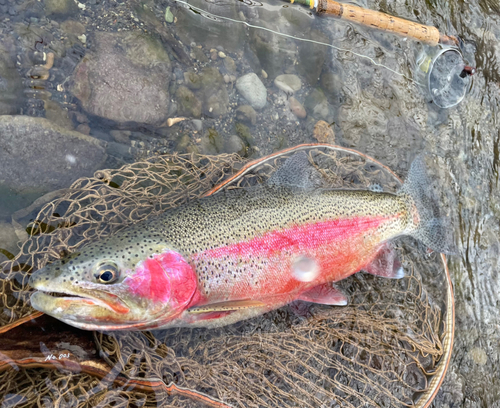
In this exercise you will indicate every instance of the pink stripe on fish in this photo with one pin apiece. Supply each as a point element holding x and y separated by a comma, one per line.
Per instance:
<point>301,237</point>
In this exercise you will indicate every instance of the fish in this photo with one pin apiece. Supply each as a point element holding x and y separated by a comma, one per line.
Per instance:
<point>240,253</point>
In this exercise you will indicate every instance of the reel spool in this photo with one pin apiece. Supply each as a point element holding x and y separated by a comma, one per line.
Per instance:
<point>445,75</point>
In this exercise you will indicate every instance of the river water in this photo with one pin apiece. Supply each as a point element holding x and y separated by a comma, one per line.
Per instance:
<point>360,81</point>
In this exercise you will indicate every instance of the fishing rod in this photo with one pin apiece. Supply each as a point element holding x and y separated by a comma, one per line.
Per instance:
<point>382,21</point>
<point>442,67</point>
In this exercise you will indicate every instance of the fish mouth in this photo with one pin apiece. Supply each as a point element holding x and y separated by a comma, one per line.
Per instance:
<point>63,302</point>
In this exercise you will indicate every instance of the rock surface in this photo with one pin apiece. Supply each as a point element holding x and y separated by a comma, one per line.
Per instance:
<point>125,78</point>
<point>60,8</point>
<point>36,154</point>
<point>246,114</point>
<point>288,83</point>
<point>188,104</point>
<point>10,82</point>
<point>213,92</point>
<point>253,90</point>
<point>297,108</point>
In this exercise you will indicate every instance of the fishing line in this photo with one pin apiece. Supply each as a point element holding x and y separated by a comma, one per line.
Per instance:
<point>208,15</point>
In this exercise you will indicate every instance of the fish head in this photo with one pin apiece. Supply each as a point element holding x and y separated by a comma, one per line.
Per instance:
<point>110,285</point>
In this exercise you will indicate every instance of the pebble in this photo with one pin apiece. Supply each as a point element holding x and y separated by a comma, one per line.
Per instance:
<point>169,17</point>
<point>230,65</point>
<point>253,90</point>
<point>264,74</point>
<point>121,136</point>
<point>83,128</point>
<point>246,114</point>
<point>288,83</point>
<point>297,108</point>
<point>83,38</point>
<point>479,356</point>
<point>198,124</point>
<point>222,55</point>
<point>323,132</point>
<point>235,145</point>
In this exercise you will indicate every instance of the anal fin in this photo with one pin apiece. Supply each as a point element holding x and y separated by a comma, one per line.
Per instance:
<point>386,264</point>
<point>325,294</point>
<point>226,306</point>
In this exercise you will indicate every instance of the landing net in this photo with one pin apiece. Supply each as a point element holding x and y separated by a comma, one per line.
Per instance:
<point>379,351</point>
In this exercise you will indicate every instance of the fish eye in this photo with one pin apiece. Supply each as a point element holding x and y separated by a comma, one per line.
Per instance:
<point>107,273</point>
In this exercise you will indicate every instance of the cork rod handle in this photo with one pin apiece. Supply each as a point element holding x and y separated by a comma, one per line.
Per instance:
<point>382,21</point>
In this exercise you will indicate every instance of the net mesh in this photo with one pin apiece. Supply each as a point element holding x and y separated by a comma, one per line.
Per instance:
<point>379,351</point>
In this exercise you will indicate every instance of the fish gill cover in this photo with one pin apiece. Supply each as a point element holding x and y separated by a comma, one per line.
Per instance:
<point>387,347</point>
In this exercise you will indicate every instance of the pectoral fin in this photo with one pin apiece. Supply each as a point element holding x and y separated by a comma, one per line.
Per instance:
<point>325,294</point>
<point>386,264</point>
<point>227,306</point>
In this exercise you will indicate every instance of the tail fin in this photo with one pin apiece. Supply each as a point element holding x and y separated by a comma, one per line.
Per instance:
<point>426,223</point>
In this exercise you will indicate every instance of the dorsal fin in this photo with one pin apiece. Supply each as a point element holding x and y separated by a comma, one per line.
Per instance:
<point>296,172</point>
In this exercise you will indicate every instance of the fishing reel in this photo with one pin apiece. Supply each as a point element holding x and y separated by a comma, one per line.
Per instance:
<point>445,75</point>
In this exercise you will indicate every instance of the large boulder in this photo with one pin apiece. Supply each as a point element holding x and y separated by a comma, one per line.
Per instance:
<point>125,78</point>
<point>38,155</point>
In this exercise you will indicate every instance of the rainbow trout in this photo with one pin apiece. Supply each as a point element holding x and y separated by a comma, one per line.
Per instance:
<point>237,254</point>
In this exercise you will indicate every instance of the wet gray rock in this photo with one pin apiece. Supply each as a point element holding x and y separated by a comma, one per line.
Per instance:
<point>60,8</point>
<point>312,56</point>
<point>230,65</point>
<point>192,80</point>
<point>38,155</point>
<point>331,83</point>
<point>297,108</point>
<point>235,145</point>
<point>213,92</point>
<point>187,103</point>
<point>253,90</point>
<point>273,51</point>
<point>317,105</point>
<point>11,95</point>
<point>125,78</point>
<point>211,142</point>
<point>246,114</point>
<point>211,34</point>
<point>288,83</point>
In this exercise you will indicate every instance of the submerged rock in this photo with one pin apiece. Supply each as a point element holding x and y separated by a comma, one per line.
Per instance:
<point>213,92</point>
<point>247,114</point>
<point>317,105</point>
<point>61,8</point>
<point>212,142</point>
<point>235,145</point>
<point>297,108</point>
<point>253,90</point>
<point>188,104</point>
<point>288,83</point>
<point>36,154</point>
<point>210,33</point>
<point>125,78</point>
<point>11,87</point>
<point>312,56</point>
<point>274,52</point>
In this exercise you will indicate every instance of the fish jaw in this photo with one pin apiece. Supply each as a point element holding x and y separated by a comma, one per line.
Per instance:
<point>154,293</point>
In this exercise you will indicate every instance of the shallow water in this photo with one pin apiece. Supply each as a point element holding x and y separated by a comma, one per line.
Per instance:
<point>373,109</point>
